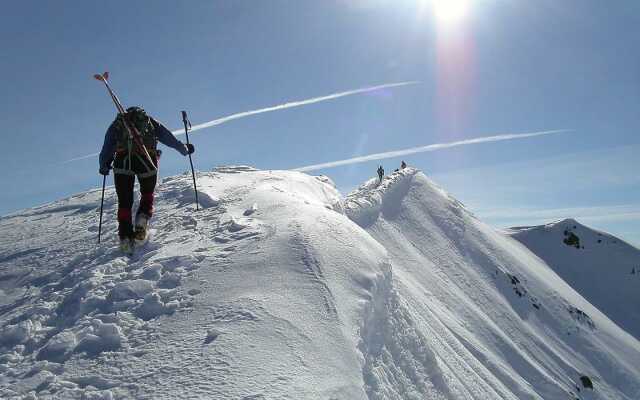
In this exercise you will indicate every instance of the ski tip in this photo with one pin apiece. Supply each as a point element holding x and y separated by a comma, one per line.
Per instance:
<point>102,77</point>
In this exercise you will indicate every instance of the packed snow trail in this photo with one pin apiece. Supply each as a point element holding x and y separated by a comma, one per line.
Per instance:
<point>272,291</point>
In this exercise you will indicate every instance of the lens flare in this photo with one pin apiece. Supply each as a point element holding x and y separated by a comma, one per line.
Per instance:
<point>450,11</point>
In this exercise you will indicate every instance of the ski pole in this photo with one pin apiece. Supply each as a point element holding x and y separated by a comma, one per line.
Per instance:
<point>104,181</point>
<point>187,126</point>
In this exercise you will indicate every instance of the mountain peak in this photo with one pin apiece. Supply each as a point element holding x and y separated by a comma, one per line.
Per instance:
<point>570,222</point>
<point>374,198</point>
<point>600,266</point>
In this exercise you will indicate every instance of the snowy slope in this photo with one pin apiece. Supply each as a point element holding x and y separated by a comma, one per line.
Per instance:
<point>259,295</point>
<point>602,268</point>
<point>280,289</point>
<point>499,321</point>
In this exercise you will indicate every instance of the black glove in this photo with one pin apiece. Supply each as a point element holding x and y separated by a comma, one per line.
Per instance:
<point>104,170</point>
<point>190,149</point>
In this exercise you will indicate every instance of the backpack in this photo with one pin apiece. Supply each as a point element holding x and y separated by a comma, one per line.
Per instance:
<point>138,118</point>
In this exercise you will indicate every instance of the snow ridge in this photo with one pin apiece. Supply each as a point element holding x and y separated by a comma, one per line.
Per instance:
<point>398,361</point>
<point>500,322</point>
<point>375,198</point>
<point>279,288</point>
<point>255,296</point>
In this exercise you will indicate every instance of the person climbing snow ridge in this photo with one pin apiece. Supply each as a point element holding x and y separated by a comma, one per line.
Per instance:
<point>380,173</point>
<point>128,162</point>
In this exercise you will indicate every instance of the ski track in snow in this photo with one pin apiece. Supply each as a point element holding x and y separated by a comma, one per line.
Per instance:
<point>278,288</point>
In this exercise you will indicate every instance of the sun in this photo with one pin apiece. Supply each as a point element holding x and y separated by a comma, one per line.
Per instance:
<point>448,12</point>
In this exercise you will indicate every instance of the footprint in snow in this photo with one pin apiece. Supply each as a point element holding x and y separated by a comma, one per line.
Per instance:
<point>235,226</point>
<point>212,334</point>
<point>251,210</point>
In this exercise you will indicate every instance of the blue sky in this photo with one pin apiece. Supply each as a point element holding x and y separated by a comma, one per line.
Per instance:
<point>506,67</point>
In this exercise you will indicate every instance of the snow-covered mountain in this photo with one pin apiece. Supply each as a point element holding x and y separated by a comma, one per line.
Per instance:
<point>602,268</point>
<point>278,288</point>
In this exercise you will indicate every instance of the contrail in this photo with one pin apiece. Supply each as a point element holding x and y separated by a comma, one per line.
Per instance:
<point>423,149</point>
<point>296,104</point>
<point>80,158</point>
<point>279,107</point>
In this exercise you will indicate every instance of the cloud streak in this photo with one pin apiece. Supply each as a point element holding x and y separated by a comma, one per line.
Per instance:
<point>80,158</point>
<point>607,213</point>
<point>292,104</point>
<point>424,149</point>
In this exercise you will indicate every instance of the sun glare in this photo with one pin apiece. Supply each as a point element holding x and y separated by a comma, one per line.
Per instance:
<point>450,11</point>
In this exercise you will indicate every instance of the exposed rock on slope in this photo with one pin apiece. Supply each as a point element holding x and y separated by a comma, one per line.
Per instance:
<point>600,266</point>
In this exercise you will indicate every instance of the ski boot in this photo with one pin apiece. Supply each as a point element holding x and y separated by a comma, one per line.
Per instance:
<point>127,245</point>
<point>142,222</point>
<point>126,234</point>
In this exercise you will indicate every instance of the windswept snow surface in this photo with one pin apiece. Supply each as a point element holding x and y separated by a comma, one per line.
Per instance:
<point>602,268</point>
<point>220,304</point>
<point>280,289</point>
<point>497,322</point>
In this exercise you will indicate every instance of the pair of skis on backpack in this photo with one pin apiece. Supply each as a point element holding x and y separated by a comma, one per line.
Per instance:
<point>141,236</point>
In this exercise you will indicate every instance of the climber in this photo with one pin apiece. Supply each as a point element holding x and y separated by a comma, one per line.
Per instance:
<point>130,161</point>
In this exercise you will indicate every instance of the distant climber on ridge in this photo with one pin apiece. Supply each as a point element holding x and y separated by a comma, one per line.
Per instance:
<point>403,165</point>
<point>380,173</point>
<point>128,162</point>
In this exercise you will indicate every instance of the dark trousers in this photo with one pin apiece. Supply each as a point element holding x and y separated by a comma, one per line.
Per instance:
<point>124,180</point>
